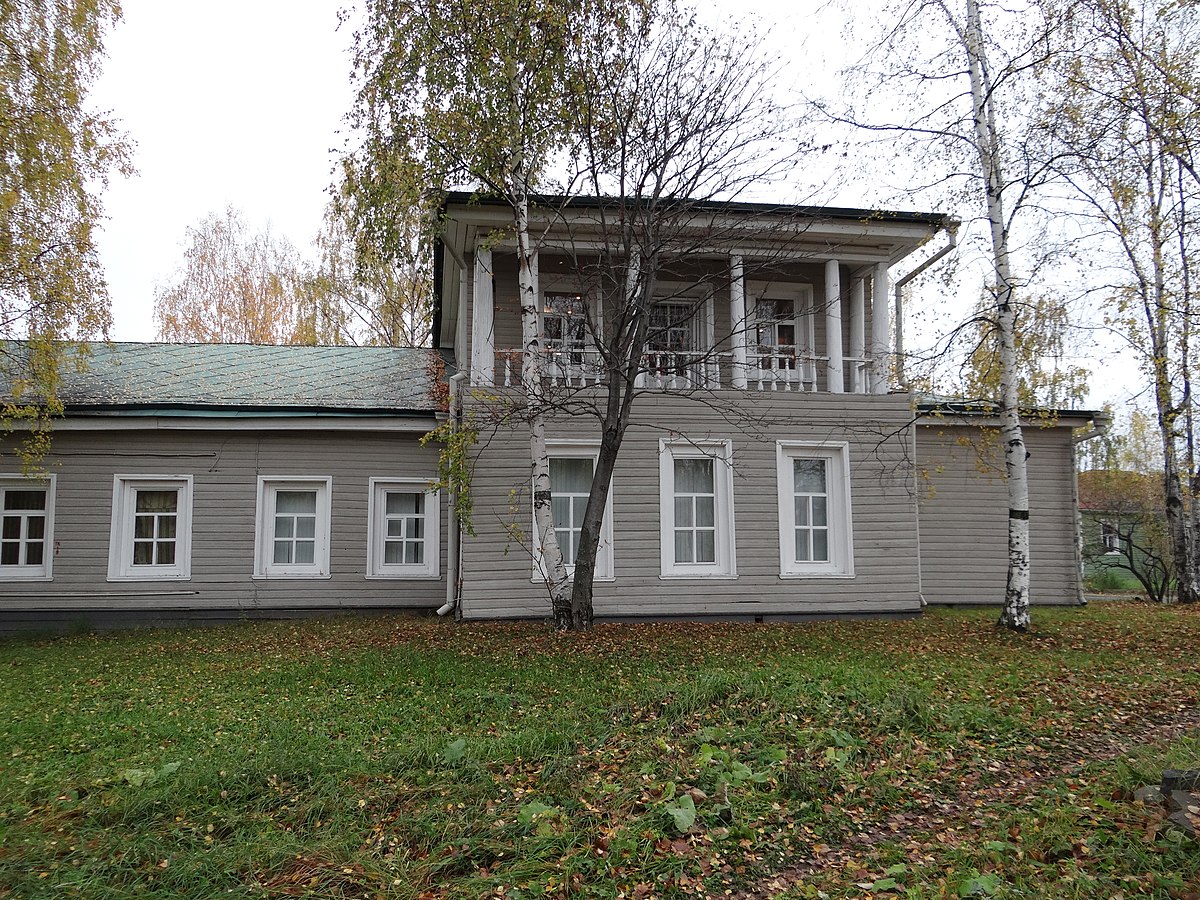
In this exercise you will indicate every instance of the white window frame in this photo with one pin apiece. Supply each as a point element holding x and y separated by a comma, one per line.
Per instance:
<point>377,529</point>
<point>124,512</point>
<point>803,322</point>
<point>841,528</point>
<point>605,568</point>
<point>264,527</point>
<point>44,571</point>
<point>721,453</point>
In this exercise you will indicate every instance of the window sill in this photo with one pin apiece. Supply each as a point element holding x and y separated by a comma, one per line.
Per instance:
<point>292,576</point>
<point>596,579</point>
<point>7,578</point>
<point>798,576</point>
<point>698,576</point>
<point>149,576</point>
<point>403,576</point>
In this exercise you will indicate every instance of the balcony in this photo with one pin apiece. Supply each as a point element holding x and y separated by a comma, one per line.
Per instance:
<point>780,368</point>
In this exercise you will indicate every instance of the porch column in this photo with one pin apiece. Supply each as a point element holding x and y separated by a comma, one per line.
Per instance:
<point>880,326</point>
<point>833,327</point>
<point>737,320</point>
<point>483,338</point>
<point>858,335</point>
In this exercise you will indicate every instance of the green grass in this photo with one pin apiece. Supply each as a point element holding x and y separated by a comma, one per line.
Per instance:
<point>400,758</point>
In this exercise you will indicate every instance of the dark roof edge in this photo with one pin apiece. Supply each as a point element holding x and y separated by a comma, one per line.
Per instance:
<point>234,409</point>
<point>939,220</point>
<point>982,408</point>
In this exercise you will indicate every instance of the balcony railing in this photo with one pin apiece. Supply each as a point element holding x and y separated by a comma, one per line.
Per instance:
<point>776,369</point>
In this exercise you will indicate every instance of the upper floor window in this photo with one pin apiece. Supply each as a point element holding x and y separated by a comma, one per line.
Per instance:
<point>404,529</point>
<point>815,535</point>
<point>696,508</point>
<point>26,527</point>
<point>151,531</point>
<point>291,537</point>
<point>783,334</point>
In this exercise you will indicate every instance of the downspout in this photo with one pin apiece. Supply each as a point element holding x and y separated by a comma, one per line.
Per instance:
<point>1100,425</point>
<point>901,376</point>
<point>453,526</point>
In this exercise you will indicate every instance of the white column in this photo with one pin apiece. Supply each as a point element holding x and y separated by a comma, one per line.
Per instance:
<point>833,327</point>
<point>880,326</point>
<point>483,338</point>
<point>858,335</point>
<point>737,320</point>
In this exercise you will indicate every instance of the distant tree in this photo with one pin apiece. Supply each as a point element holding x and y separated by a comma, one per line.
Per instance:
<point>55,157</point>
<point>235,286</point>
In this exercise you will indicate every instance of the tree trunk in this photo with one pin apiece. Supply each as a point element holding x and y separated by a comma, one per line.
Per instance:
<point>1015,613</point>
<point>555,571</point>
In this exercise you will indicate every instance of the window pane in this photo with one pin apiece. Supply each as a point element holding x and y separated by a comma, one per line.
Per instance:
<point>143,526</point>
<point>143,553</point>
<point>415,553</point>
<point>393,552</point>
<point>787,335</point>
<point>560,511</point>
<point>284,526</point>
<point>166,553</point>
<point>24,499</point>
<point>706,546</point>
<point>12,527</point>
<point>296,502</point>
<point>10,554</point>
<point>283,552</point>
<point>157,501</point>
<point>395,528</point>
<point>570,475</point>
<point>306,526</point>
<point>683,547</point>
<point>33,553</point>
<point>399,502</point>
<point>809,476</point>
<point>416,528</point>
<point>305,551</point>
<point>694,476</point>
<point>578,509</point>
<point>802,554</point>
<point>821,545</point>
<point>36,527</point>
<point>705,514</point>
<point>819,511</point>
<point>683,512</point>
<point>166,526</point>
<point>802,510</point>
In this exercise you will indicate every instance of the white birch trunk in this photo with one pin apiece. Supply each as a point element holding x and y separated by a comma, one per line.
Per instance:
<point>1015,613</point>
<point>557,580</point>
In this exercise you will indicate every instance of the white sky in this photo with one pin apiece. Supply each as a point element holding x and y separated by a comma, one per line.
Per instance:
<point>239,103</point>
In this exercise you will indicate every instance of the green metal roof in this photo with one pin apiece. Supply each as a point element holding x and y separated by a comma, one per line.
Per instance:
<point>230,378</point>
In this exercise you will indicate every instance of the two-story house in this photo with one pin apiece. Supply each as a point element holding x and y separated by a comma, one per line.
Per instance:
<point>772,466</point>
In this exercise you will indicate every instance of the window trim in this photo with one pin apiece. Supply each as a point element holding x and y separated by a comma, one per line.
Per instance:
<point>45,571</point>
<point>802,295</point>
<point>605,563</point>
<point>268,486</point>
<point>841,522</point>
<point>120,540</point>
<point>721,452</point>
<point>376,532</point>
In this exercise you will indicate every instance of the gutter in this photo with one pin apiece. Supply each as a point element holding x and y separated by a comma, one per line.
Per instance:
<point>952,232</point>
<point>454,535</point>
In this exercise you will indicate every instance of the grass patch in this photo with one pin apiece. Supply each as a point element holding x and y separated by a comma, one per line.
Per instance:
<point>397,758</point>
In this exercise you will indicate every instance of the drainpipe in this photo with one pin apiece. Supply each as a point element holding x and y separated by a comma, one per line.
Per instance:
<point>453,527</point>
<point>952,231</point>
<point>1100,425</point>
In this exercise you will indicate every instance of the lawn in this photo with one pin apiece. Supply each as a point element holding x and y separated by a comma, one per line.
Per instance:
<point>400,758</point>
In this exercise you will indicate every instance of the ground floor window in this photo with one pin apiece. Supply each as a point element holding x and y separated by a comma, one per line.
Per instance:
<point>696,503</point>
<point>26,527</point>
<point>292,533</point>
<point>404,529</point>
<point>1110,538</point>
<point>815,535</point>
<point>572,466</point>
<point>151,528</point>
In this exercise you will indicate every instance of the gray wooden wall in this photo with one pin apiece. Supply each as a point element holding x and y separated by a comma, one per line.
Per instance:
<point>224,466</point>
<point>497,571</point>
<point>964,515</point>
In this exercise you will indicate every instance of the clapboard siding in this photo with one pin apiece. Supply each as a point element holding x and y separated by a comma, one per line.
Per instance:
<point>964,516</point>
<point>224,467</point>
<point>497,571</point>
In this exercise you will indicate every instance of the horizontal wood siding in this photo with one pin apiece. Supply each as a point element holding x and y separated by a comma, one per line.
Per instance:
<point>964,515</point>
<point>497,570</point>
<point>224,467</point>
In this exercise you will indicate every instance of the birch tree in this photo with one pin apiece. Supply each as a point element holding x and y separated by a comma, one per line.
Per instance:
<point>973,72</point>
<point>476,93</point>
<point>1126,123</point>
